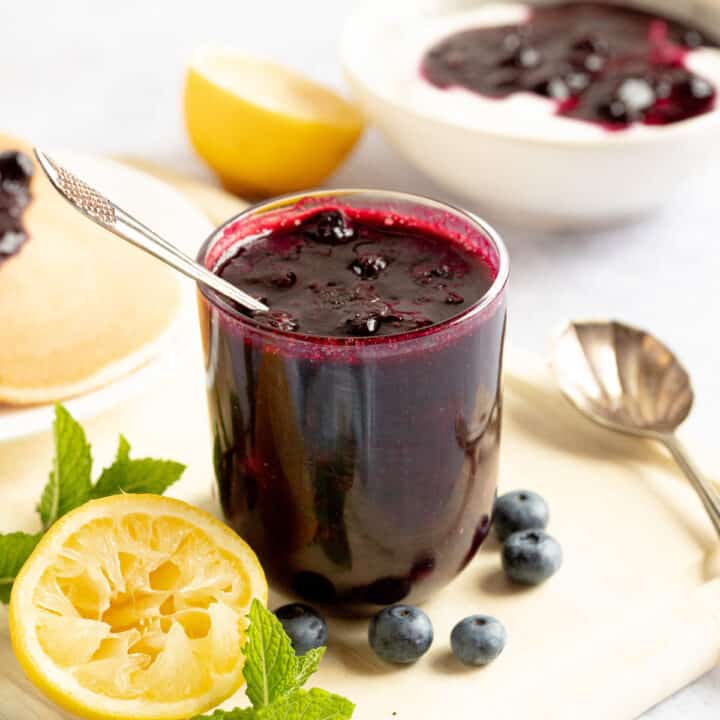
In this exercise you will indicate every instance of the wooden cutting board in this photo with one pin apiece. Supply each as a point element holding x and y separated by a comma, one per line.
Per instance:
<point>633,615</point>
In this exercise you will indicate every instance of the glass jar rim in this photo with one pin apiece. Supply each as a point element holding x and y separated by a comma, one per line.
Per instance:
<point>283,201</point>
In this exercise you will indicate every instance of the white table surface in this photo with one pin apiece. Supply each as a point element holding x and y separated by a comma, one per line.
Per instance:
<point>107,77</point>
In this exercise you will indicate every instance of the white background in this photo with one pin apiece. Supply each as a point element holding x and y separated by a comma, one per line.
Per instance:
<point>107,77</point>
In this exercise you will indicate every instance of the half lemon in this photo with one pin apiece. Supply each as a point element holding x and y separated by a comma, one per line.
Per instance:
<point>264,129</point>
<point>135,606</point>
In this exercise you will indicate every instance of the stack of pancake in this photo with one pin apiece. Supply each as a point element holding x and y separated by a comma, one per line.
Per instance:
<point>79,307</point>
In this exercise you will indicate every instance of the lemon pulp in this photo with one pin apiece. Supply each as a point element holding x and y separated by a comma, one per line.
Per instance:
<point>136,609</point>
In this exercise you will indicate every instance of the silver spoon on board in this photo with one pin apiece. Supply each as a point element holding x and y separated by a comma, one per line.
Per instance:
<point>628,381</point>
<point>109,216</point>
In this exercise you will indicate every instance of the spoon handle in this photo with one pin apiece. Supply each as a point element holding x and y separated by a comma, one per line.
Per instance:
<point>107,215</point>
<point>705,490</point>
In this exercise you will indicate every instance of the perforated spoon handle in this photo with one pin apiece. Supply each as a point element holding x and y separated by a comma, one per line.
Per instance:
<point>96,207</point>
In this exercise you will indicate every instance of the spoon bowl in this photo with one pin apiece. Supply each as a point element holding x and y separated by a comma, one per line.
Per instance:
<point>625,379</point>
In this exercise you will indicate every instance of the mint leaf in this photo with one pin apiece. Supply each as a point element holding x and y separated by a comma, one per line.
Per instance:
<point>270,664</point>
<point>296,705</point>
<point>136,476</point>
<point>69,486</point>
<point>307,664</point>
<point>315,704</point>
<point>69,483</point>
<point>274,675</point>
<point>15,549</point>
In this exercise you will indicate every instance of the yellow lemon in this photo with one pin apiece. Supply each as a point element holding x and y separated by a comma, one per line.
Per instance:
<point>134,606</point>
<point>264,129</point>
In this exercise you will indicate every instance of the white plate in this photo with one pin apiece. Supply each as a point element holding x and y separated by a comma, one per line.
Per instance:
<point>174,217</point>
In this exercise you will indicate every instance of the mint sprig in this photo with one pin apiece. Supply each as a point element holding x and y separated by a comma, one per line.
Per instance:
<point>69,483</point>
<point>274,676</point>
<point>136,476</point>
<point>70,486</point>
<point>270,662</point>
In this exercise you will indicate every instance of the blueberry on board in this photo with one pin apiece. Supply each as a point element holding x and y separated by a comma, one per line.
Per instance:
<point>305,626</point>
<point>478,639</point>
<point>400,634</point>
<point>519,510</point>
<point>530,557</point>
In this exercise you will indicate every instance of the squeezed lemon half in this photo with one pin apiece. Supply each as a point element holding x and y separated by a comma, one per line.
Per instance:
<point>134,606</point>
<point>264,129</point>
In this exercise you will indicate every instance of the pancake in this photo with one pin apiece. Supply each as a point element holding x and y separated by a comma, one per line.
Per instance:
<point>79,307</point>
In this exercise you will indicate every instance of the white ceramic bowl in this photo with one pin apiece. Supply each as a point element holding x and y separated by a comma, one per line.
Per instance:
<point>551,183</point>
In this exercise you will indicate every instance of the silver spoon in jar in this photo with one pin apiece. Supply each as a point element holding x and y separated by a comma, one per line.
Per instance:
<point>109,216</point>
<point>628,381</point>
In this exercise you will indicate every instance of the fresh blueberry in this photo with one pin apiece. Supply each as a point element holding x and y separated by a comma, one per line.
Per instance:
<point>530,557</point>
<point>305,626</point>
<point>519,510</point>
<point>478,639</point>
<point>400,634</point>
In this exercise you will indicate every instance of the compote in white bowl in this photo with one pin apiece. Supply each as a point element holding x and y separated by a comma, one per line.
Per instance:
<point>582,115</point>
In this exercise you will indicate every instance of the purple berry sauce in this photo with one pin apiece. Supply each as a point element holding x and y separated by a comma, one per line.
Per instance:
<point>602,63</point>
<point>16,171</point>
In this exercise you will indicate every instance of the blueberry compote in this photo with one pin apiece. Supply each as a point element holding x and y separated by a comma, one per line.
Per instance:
<point>15,174</point>
<point>599,62</point>
<point>333,275</point>
<point>357,425</point>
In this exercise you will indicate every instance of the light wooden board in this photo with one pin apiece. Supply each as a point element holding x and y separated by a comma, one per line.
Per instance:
<point>633,615</point>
